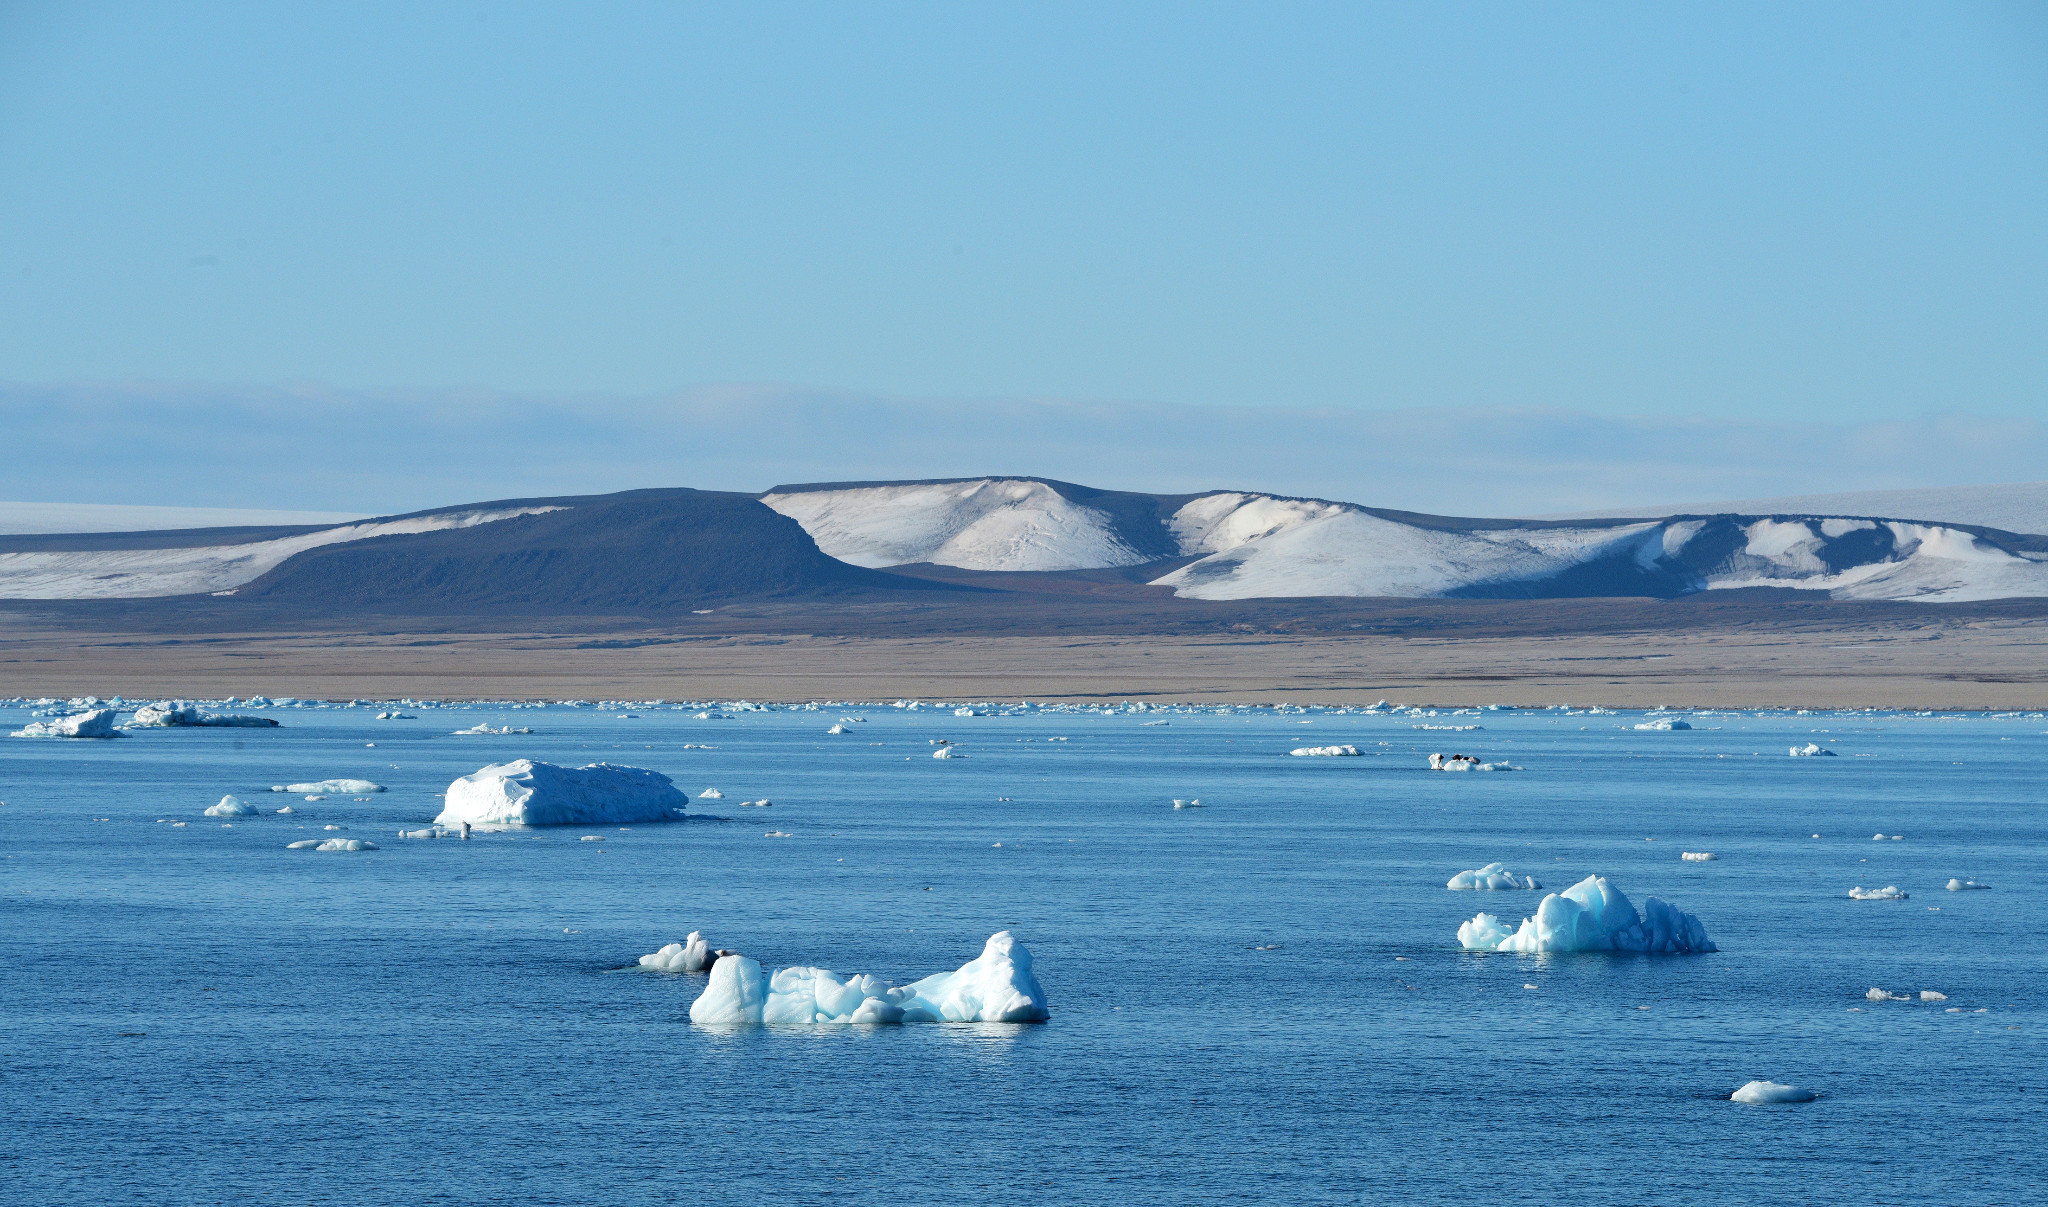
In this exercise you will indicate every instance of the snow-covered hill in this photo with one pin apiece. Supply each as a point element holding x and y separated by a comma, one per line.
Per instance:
<point>151,572</point>
<point>984,524</point>
<point>2009,506</point>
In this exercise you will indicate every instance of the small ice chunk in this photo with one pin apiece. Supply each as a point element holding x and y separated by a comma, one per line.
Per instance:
<point>231,806</point>
<point>1304,752</point>
<point>1874,994</point>
<point>995,987</point>
<point>1957,886</point>
<point>1666,724</point>
<point>1696,856</point>
<point>693,954</point>
<point>346,844</point>
<point>287,809</point>
<point>336,787</point>
<point>711,794</point>
<point>95,723</point>
<point>1811,750</point>
<point>1492,876</point>
<point>592,838</point>
<point>948,752</point>
<point>1889,892</point>
<point>837,729</point>
<point>1591,915</point>
<point>1771,1091</point>
<point>1465,762</point>
<point>302,844</point>
<point>1933,995</point>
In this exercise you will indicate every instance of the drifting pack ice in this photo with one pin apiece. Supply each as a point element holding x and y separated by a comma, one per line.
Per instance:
<point>175,714</point>
<point>994,987</point>
<point>335,787</point>
<point>1591,915</point>
<point>526,793</point>
<point>1492,876</point>
<point>1337,752</point>
<point>96,723</point>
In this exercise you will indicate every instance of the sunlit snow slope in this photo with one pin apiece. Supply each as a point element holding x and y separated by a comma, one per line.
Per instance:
<point>2008,506</point>
<point>146,573</point>
<point>984,524</point>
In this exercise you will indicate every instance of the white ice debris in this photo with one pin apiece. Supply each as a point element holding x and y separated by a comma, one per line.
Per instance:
<point>995,987</point>
<point>231,806</point>
<point>1888,893</point>
<point>1874,994</point>
<point>1465,762</point>
<point>837,729</point>
<point>1933,995</point>
<point>528,793</point>
<point>691,955</point>
<point>183,713</point>
<point>1771,1091</point>
<point>1696,856</point>
<point>95,723</point>
<point>1303,752</point>
<point>345,844</point>
<point>483,728</point>
<point>1665,724</point>
<point>339,787</point>
<point>1592,915</point>
<point>711,794</point>
<point>1957,886</point>
<point>948,752</point>
<point>1492,876</point>
<point>1811,750</point>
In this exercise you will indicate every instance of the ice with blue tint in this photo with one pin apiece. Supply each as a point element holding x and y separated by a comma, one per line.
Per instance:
<point>1492,876</point>
<point>996,986</point>
<point>1771,1091</point>
<point>174,714</point>
<point>93,723</point>
<point>528,793</point>
<point>1591,915</point>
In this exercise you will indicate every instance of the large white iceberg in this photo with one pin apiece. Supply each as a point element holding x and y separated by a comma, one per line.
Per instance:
<point>994,987</point>
<point>97,723</point>
<point>182,713</point>
<point>1492,876</point>
<point>1771,1091</point>
<point>527,793</point>
<point>232,806</point>
<point>1591,915</point>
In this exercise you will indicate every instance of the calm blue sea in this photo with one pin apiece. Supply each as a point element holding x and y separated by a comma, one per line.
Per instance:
<point>1260,1000</point>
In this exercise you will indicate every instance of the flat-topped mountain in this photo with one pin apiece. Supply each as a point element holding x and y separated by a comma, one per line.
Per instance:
<point>680,549</point>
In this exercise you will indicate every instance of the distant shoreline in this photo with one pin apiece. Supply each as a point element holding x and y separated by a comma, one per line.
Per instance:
<point>1985,665</point>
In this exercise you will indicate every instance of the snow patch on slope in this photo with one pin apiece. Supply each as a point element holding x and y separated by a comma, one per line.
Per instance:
<point>987,524</point>
<point>146,573</point>
<point>2008,506</point>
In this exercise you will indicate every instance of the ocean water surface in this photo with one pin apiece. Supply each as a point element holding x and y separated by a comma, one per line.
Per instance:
<point>1260,1000</point>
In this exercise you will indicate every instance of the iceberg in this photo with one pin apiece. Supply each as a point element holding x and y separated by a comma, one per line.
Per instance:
<point>341,844</point>
<point>1591,915</point>
<point>691,955</point>
<point>1492,876</point>
<point>1811,750</point>
<point>1771,1091</point>
<point>1465,762</point>
<point>231,806</point>
<point>948,752</point>
<point>1957,886</point>
<point>1889,892</point>
<point>1664,724</point>
<point>1304,752</point>
<point>183,713</point>
<point>335,787</point>
<point>995,987</point>
<point>97,723</point>
<point>1697,856</point>
<point>527,793</point>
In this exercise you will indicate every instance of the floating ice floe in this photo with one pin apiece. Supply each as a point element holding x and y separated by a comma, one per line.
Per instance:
<point>691,955</point>
<point>95,723</point>
<point>1811,750</point>
<point>1665,724</point>
<point>1697,856</point>
<point>528,793</point>
<point>1305,752</point>
<point>1591,915</point>
<point>483,728</point>
<point>1196,803</point>
<point>1933,995</point>
<point>1771,1091</point>
<point>711,794</point>
<point>177,714</point>
<point>1492,876</point>
<point>428,832</point>
<point>1888,893</point>
<point>948,752</point>
<point>336,787</point>
<point>345,844</point>
<point>1465,762</point>
<point>837,729</point>
<point>1957,886</point>
<point>995,987</point>
<point>231,806</point>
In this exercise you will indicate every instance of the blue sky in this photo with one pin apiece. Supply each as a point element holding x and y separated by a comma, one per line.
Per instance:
<point>1655,216</point>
